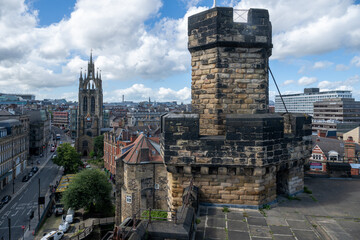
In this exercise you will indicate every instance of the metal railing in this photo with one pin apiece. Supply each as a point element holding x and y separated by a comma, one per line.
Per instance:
<point>87,230</point>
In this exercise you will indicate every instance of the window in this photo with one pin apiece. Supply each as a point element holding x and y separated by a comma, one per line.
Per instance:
<point>85,105</point>
<point>92,104</point>
<point>128,199</point>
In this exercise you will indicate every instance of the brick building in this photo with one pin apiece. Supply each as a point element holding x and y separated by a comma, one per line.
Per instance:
<point>114,145</point>
<point>233,149</point>
<point>60,119</point>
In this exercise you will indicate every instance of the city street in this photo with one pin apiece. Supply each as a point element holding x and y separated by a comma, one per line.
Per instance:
<point>25,198</point>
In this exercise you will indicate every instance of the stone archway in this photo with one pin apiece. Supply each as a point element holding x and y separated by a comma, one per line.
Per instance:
<point>282,182</point>
<point>85,153</point>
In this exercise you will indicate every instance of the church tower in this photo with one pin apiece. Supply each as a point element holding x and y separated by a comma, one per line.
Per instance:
<point>90,109</point>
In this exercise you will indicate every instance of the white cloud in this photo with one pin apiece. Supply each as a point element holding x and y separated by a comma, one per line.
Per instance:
<point>124,47</point>
<point>310,27</point>
<point>288,82</point>
<point>307,81</point>
<point>140,92</point>
<point>322,65</point>
<point>356,61</point>
<point>347,84</point>
<point>302,69</point>
<point>341,67</point>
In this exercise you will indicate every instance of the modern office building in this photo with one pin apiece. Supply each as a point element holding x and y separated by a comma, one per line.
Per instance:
<point>328,113</point>
<point>304,102</point>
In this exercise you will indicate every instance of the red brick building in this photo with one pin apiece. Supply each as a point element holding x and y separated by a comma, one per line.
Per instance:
<point>60,119</point>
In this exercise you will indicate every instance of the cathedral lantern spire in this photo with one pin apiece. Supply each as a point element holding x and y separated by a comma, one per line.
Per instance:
<point>91,56</point>
<point>81,76</point>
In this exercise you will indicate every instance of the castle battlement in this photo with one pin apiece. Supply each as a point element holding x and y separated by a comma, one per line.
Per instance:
<point>216,27</point>
<point>233,149</point>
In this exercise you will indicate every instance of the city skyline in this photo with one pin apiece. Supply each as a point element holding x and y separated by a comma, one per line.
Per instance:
<point>141,46</point>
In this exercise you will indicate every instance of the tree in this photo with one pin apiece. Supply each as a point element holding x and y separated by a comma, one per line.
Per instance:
<point>89,189</point>
<point>68,158</point>
<point>99,146</point>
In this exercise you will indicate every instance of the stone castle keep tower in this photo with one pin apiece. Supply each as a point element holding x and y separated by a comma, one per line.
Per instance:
<point>90,109</point>
<point>235,151</point>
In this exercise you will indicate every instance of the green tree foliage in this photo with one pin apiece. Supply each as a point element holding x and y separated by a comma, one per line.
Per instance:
<point>68,158</point>
<point>99,146</point>
<point>89,189</point>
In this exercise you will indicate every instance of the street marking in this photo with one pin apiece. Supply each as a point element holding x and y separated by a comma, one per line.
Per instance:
<point>23,212</point>
<point>29,212</point>
<point>13,206</point>
<point>5,215</point>
<point>1,222</point>
<point>14,213</point>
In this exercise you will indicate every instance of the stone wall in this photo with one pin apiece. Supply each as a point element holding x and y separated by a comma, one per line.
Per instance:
<point>229,65</point>
<point>138,182</point>
<point>240,167</point>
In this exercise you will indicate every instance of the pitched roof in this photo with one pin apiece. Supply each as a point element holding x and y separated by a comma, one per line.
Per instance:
<point>143,150</point>
<point>330,144</point>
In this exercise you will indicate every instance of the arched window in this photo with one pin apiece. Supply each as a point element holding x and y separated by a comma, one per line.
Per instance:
<point>89,133</point>
<point>85,105</point>
<point>85,143</point>
<point>92,104</point>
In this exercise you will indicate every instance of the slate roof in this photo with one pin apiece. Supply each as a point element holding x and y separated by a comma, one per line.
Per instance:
<point>143,150</point>
<point>330,144</point>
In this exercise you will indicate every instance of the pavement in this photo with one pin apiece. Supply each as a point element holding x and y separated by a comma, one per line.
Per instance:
<point>331,211</point>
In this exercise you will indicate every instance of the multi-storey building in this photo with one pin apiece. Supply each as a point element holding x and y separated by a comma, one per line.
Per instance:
<point>303,102</point>
<point>14,149</point>
<point>73,122</point>
<point>40,128</point>
<point>60,119</point>
<point>328,113</point>
<point>143,118</point>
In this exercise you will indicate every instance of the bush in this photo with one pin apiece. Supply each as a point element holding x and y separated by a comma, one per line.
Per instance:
<point>157,215</point>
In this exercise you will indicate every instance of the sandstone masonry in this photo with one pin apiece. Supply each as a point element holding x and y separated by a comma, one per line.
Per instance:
<point>234,150</point>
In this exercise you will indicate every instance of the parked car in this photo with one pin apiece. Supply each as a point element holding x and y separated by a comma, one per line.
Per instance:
<point>35,169</point>
<point>30,174</point>
<point>52,149</point>
<point>68,218</point>
<point>53,235</point>
<point>54,156</point>
<point>6,199</point>
<point>64,226</point>
<point>59,209</point>
<point>25,178</point>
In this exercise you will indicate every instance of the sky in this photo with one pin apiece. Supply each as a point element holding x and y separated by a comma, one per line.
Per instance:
<point>140,46</point>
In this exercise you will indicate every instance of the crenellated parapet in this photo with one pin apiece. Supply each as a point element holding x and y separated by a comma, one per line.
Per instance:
<point>234,150</point>
<point>255,148</point>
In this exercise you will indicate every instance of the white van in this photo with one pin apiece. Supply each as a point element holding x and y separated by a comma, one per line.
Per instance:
<point>53,235</point>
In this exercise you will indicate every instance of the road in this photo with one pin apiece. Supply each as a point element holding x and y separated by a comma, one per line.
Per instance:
<point>24,201</point>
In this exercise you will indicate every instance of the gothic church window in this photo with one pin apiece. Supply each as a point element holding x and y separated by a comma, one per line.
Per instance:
<point>85,104</point>
<point>92,104</point>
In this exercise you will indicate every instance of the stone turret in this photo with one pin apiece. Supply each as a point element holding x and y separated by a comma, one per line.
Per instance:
<point>236,152</point>
<point>229,65</point>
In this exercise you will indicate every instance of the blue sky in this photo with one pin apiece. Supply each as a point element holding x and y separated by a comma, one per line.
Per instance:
<point>141,46</point>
